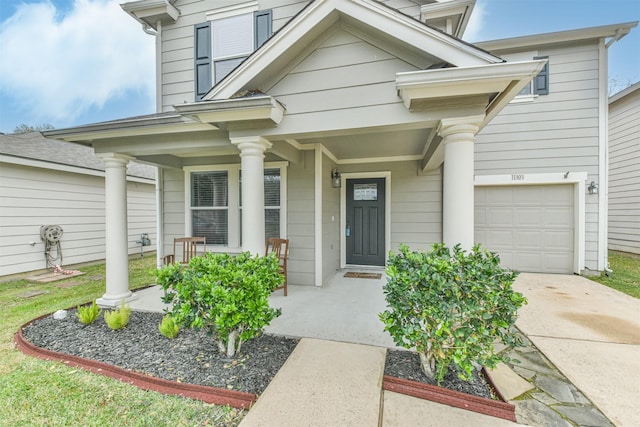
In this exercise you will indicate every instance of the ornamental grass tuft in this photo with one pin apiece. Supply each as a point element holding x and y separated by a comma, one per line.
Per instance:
<point>117,319</point>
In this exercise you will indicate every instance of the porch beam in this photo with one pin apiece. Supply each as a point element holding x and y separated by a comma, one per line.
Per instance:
<point>117,250</point>
<point>252,151</point>
<point>458,138</point>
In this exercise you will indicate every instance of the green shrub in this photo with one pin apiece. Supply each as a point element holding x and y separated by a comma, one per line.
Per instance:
<point>117,319</point>
<point>168,327</point>
<point>450,307</point>
<point>226,295</point>
<point>88,314</point>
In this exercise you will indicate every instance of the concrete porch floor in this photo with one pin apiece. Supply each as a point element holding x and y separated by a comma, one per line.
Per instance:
<point>345,309</point>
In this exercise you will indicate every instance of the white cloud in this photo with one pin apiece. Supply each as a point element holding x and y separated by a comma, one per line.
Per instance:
<point>476,22</point>
<point>58,67</point>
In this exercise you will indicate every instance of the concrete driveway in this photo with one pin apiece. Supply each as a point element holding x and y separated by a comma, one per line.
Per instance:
<point>591,333</point>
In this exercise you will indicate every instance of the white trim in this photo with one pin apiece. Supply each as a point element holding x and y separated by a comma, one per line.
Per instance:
<point>410,157</point>
<point>603,157</point>
<point>233,169</point>
<point>318,213</point>
<point>233,10</point>
<point>577,179</point>
<point>343,211</point>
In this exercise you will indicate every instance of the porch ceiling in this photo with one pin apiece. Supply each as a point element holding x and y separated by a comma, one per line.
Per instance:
<point>408,144</point>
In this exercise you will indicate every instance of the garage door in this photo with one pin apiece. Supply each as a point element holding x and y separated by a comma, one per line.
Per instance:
<point>529,226</point>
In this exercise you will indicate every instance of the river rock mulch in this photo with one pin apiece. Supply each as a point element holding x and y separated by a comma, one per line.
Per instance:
<point>192,357</point>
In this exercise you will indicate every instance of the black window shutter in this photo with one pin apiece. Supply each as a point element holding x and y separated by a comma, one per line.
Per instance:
<point>541,81</point>
<point>263,26</point>
<point>202,56</point>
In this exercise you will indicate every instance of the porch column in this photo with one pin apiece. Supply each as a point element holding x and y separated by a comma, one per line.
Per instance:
<point>115,168</point>
<point>458,136</point>
<point>252,166</point>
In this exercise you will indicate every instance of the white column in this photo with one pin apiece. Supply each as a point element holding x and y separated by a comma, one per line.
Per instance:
<point>115,168</point>
<point>458,136</point>
<point>252,165</point>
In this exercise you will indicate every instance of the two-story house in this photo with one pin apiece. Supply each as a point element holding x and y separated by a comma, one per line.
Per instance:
<point>351,126</point>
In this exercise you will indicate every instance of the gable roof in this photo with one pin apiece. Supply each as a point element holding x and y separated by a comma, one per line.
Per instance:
<point>366,18</point>
<point>34,146</point>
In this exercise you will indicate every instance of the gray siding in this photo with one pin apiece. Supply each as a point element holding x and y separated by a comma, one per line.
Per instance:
<point>344,73</point>
<point>553,133</point>
<point>330,222</point>
<point>173,208</point>
<point>624,173</point>
<point>301,221</point>
<point>31,197</point>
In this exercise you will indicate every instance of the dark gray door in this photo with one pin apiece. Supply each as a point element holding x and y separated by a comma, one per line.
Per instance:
<point>365,221</point>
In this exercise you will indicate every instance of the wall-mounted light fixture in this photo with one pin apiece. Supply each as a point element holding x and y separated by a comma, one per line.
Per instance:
<point>593,188</point>
<point>336,181</point>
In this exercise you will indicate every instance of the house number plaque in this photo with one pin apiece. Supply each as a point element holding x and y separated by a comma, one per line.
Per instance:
<point>517,177</point>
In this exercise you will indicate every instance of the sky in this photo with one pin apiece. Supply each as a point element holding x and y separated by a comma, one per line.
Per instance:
<point>71,62</point>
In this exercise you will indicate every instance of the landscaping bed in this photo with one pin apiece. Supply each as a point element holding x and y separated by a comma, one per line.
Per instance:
<point>192,357</point>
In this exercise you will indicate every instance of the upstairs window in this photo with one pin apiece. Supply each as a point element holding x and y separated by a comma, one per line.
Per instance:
<point>224,42</point>
<point>540,83</point>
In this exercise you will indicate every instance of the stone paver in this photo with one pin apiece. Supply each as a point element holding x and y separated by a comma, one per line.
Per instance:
<point>534,413</point>
<point>509,384</point>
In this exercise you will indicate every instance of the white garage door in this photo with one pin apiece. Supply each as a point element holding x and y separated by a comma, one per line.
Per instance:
<point>529,226</point>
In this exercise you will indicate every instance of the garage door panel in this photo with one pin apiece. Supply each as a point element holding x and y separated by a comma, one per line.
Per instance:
<point>558,240</point>
<point>529,217</point>
<point>494,196</point>
<point>558,195</point>
<point>500,217</point>
<point>499,239</point>
<point>558,262</point>
<point>528,238</point>
<point>527,196</point>
<point>526,261</point>
<point>529,226</point>
<point>560,217</point>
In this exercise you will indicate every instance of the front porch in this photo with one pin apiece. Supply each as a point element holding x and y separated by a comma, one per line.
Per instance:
<point>345,309</point>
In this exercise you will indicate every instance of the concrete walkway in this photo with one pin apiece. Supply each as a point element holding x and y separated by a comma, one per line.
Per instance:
<point>591,333</point>
<point>583,350</point>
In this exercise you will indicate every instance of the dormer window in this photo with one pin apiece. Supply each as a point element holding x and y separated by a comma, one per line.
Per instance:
<point>223,42</point>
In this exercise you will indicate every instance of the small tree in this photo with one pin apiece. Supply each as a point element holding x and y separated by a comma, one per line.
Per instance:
<point>451,307</point>
<point>24,128</point>
<point>226,295</point>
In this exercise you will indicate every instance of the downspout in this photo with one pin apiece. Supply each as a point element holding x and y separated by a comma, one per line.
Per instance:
<point>159,171</point>
<point>159,216</point>
<point>603,170</point>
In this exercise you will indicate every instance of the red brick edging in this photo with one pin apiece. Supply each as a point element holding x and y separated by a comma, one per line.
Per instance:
<point>218,396</point>
<point>242,400</point>
<point>453,398</point>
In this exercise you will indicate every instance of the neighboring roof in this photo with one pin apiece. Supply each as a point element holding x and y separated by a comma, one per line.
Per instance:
<point>616,31</point>
<point>34,146</point>
<point>624,92</point>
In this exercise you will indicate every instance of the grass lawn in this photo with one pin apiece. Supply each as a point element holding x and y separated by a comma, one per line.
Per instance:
<point>36,392</point>
<point>626,273</point>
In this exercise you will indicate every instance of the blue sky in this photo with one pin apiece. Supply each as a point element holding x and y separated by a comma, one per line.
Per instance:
<point>72,62</point>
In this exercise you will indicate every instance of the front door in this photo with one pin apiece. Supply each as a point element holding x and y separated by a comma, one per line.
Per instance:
<point>365,221</point>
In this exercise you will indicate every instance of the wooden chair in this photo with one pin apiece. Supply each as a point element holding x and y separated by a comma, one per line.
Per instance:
<point>189,249</point>
<point>280,247</point>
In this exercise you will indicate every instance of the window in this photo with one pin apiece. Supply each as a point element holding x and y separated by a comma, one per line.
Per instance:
<point>224,42</point>
<point>210,206</point>
<point>540,83</point>
<point>215,208</point>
